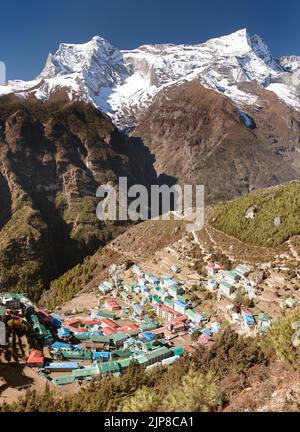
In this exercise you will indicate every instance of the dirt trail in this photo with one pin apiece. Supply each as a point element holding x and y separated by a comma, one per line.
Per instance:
<point>213,241</point>
<point>197,241</point>
<point>293,250</point>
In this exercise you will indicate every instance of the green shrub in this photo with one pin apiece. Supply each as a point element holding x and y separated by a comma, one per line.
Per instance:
<point>279,337</point>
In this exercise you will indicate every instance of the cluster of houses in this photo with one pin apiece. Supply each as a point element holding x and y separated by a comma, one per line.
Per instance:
<point>226,282</point>
<point>81,349</point>
<point>172,305</point>
<point>102,346</point>
<point>168,300</point>
<point>165,295</point>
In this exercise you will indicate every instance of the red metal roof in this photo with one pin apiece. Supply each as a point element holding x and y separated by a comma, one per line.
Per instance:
<point>35,357</point>
<point>111,302</point>
<point>247,312</point>
<point>169,310</point>
<point>77,329</point>
<point>107,331</point>
<point>203,339</point>
<point>127,328</point>
<point>181,318</point>
<point>42,312</point>
<point>107,322</point>
<point>178,325</point>
<point>72,322</point>
<point>92,322</point>
<point>132,326</point>
<point>189,348</point>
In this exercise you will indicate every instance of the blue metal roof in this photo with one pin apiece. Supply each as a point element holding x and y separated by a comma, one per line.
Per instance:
<point>149,335</point>
<point>62,332</point>
<point>206,332</point>
<point>180,303</point>
<point>172,283</point>
<point>103,354</point>
<point>61,345</point>
<point>248,319</point>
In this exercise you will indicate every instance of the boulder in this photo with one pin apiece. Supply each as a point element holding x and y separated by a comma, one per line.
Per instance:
<point>251,212</point>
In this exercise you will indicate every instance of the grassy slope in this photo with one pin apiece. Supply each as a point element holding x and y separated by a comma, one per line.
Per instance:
<point>283,201</point>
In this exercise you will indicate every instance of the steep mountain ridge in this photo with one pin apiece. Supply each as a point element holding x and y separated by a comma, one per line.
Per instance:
<point>198,136</point>
<point>124,83</point>
<point>52,159</point>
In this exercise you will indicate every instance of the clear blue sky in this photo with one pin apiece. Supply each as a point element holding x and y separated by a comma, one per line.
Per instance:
<point>30,29</point>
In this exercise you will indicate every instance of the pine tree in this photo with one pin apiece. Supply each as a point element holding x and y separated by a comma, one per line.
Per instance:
<point>144,400</point>
<point>280,337</point>
<point>197,392</point>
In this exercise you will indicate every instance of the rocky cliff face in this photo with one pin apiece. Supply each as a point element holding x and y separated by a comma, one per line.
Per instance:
<point>199,137</point>
<point>52,159</point>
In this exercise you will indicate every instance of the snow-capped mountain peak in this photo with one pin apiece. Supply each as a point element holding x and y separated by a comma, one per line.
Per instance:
<point>97,61</point>
<point>124,83</point>
<point>290,63</point>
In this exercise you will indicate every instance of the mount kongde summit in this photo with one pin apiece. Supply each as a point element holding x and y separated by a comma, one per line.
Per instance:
<point>123,83</point>
<point>223,113</point>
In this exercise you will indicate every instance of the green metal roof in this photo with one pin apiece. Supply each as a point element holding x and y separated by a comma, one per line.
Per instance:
<point>177,351</point>
<point>142,359</point>
<point>124,363</point>
<point>243,269</point>
<point>100,339</point>
<point>232,273</point>
<point>156,299</point>
<point>82,336</point>
<point>119,336</point>
<point>148,346</point>
<point>105,315</point>
<point>263,316</point>
<point>157,353</point>
<point>147,326</point>
<point>86,372</point>
<point>121,353</point>
<point>108,367</point>
<point>169,303</point>
<point>146,358</point>
<point>290,301</point>
<point>63,380</point>
<point>14,296</point>
<point>190,313</point>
